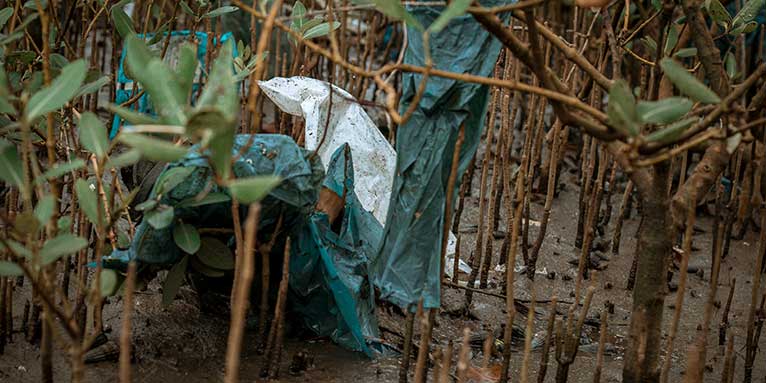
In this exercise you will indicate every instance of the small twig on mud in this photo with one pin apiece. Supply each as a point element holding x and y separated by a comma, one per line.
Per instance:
<point>724,326</point>
<point>274,354</point>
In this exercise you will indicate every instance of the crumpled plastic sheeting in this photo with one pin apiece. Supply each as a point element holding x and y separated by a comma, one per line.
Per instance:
<point>407,267</point>
<point>375,159</point>
<point>342,265</point>
<point>269,154</point>
<point>329,281</point>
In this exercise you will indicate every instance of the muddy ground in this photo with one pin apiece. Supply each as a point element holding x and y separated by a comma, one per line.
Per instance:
<point>182,344</point>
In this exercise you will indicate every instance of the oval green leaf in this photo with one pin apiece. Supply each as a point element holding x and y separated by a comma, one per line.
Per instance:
<point>672,132</point>
<point>688,84</point>
<point>60,91</point>
<point>44,209</point>
<point>186,237</point>
<point>160,217</point>
<point>204,269</point>
<point>253,189</point>
<point>10,269</point>
<point>663,111</point>
<point>173,281</point>
<point>93,134</point>
<point>214,253</point>
<point>152,148</point>
<point>64,244</point>
<point>87,197</point>
<point>109,281</point>
<point>10,165</point>
<point>621,109</point>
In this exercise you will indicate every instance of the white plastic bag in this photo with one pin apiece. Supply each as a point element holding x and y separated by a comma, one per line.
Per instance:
<point>374,158</point>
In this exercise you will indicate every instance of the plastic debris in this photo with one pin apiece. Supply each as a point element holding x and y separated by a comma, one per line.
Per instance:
<point>375,158</point>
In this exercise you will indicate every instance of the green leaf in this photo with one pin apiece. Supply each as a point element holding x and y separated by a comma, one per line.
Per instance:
<point>214,253</point>
<point>58,61</point>
<point>173,281</point>
<point>10,269</point>
<point>205,270</point>
<point>718,13</point>
<point>160,217</point>
<point>26,223</point>
<point>664,111</point>
<point>206,120</point>
<point>220,93</point>
<point>60,91</point>
<point>44,209</point>
<point>211,198</point>
<point>186,237</point>
<point>17,248</point>
<point>64,223</point>
<point>21,58</point>
<point>32,4</point>
<point>622,109</point>
<point>10,165</point>
<point>454,9</point>
<point>220,151</point>
<point>60,169</point>
<point>109,280</point>
<point>64,244</point>
<point>671,40</point>
<point>395,10</point>
<point>122,22</point>
<point>320,30</point>
<point>172,178</point>
<point>688,84</point>
<point>186,8</point>
<point>152,148</point>
<point>5,15</point>
<point>87,197</point>
<point>93,134</point>
<point>685,52</point>
<point>6,107</point>
<point>220,90</point>
<point>672,132</point>
<point>744,28</point>
<point>159,34</point>
<point>298,17</point>
<point>94,86</point>
<point>156,78</point>
<point>220,11</point>
<point>131,116</point>
<point>730,62</point>
<point>650,43</point>
<point>147,205</point>
<point>253,189</point>
<point>186,68</point>
<point>125,159</point>
<point>748,13</point>
<point>310,24</point>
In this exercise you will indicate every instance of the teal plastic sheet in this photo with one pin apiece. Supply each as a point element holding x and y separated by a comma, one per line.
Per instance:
<point>407,266</point>
<point>329,284</point>
<point>125,85</point>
